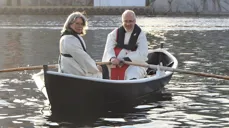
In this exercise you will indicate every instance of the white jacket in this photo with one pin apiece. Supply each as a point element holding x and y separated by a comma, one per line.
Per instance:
<point>80,63</point>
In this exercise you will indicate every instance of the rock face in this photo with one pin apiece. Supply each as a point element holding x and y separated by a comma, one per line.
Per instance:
<point>193,6</point>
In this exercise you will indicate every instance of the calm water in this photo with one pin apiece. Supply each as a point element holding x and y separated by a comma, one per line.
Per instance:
<point>200,44</point>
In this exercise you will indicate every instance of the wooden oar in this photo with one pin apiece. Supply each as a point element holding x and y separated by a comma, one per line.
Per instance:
<point>177,70</point>
<point>27,68</point>
<point>39,67</point>
<point>103,63</point>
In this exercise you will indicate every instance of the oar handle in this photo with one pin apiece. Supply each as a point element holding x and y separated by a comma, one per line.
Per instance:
<point>177,70</point>
<point>103,63</point>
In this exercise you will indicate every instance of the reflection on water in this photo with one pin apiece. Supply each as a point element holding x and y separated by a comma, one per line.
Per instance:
<point>200,44</point>
<point>12,48</point>
<point>119,115</point>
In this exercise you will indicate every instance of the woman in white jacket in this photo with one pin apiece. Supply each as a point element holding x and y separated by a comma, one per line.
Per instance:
<point>73,56</point>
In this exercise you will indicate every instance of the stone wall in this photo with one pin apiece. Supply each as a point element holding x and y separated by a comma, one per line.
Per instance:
<point>48,2</point>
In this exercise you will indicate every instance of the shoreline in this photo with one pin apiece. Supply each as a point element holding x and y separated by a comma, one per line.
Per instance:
<point>89,10</point>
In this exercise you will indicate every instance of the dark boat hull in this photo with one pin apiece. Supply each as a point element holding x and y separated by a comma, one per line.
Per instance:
<point>87,92</point>
<point>69,92</point>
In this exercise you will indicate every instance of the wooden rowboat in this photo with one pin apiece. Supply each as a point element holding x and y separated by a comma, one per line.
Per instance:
<point>71,92</point>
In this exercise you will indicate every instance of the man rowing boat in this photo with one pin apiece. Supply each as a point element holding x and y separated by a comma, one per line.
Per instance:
<point>128,43</point>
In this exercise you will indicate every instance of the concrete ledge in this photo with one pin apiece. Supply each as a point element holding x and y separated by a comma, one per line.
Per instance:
<point>57,10</point>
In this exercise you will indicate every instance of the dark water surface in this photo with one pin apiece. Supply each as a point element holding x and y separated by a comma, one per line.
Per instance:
<point>200,44</point>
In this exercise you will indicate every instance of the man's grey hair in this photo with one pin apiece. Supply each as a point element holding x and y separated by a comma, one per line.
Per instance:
<point>71,18</point>
<point>129,12</point>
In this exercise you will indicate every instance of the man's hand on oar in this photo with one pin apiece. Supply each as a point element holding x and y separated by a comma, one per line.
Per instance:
<point>177,70</point>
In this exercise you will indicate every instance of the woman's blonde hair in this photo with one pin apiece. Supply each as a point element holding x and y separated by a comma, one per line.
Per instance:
<point>71,18</point>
